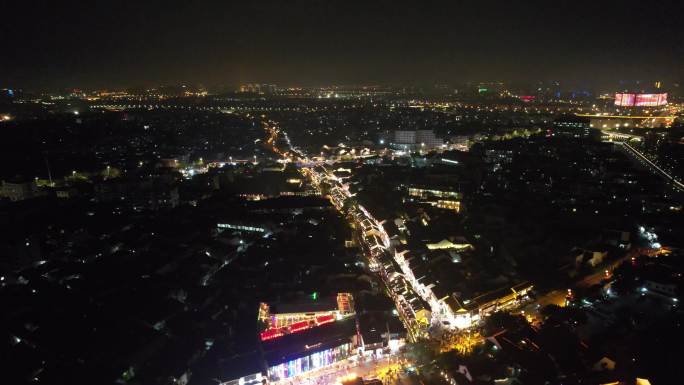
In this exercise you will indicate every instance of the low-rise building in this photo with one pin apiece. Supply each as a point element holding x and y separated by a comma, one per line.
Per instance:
<point>17,190</point>
<point>309,312</point>
<point>139,195</point>
<point>572,126</point>
<point>413,140</point>
<point>298,353</point>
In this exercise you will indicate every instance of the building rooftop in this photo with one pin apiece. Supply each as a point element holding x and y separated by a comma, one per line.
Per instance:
<point>300,344</point>
<point>305,305</point>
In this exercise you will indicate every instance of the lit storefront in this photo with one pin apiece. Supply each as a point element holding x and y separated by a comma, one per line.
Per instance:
<point>310,362</point>
<point>313,348</point>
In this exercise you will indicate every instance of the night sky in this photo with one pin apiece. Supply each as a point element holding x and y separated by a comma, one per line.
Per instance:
<point>127,43</point>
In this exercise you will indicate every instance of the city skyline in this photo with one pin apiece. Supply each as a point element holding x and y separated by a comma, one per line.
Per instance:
<point>341,193</point>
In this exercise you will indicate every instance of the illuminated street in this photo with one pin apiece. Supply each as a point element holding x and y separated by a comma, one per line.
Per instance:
<point>371,233</point>
<point>387,369</point>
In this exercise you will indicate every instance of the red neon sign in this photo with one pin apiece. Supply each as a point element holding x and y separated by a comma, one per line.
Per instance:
<point>270,334</point>
<point>325,319</point>
<point>296,327</point>
<point>299,326</point>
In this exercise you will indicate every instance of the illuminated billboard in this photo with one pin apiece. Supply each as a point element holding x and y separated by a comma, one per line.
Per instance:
<point>640,100</point>
<point>624,100</point>
<point>650,100</point>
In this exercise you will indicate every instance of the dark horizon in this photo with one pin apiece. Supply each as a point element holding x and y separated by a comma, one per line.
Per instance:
<point>72,45</point>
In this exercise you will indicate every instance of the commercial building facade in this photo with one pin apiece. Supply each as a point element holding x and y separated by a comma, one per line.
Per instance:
<point>413,140</point>
<point>313,361</point>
